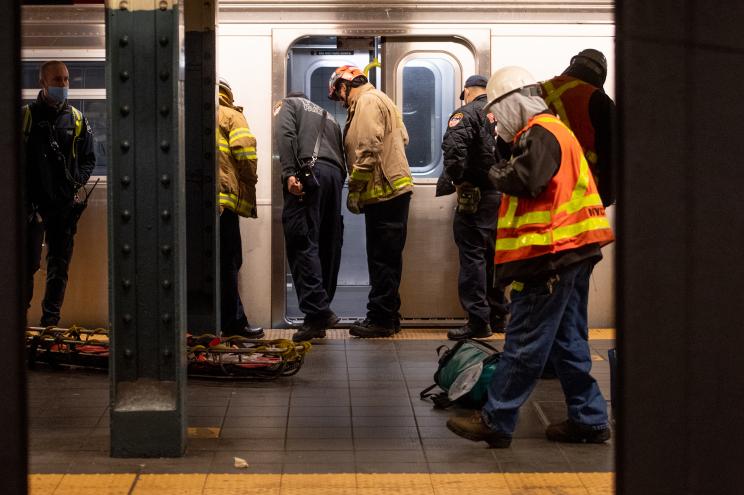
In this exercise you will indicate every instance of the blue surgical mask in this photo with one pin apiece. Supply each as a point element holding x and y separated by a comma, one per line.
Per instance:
<point>57,93</point>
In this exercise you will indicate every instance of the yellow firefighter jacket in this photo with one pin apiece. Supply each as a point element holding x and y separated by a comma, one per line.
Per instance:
<point>236,147</point>
<point>375,140</point>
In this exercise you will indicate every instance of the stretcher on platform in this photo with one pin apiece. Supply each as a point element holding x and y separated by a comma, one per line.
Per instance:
<point>207,355</point>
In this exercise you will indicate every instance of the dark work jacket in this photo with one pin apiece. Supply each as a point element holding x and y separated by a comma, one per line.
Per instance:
<point>469,146</point>
<point>54,175</point>
<point>536,157</point>
<point>296,127</point>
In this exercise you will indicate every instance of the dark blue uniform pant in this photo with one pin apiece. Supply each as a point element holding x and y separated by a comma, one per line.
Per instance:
<point>232,315</point>
<point>475,236</point>
<point>386,226</point>
<point>313,232</point>
<point>57,227</point>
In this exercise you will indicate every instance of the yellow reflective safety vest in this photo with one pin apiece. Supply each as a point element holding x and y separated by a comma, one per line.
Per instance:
<point>236,149</point>
<point>567,215</point>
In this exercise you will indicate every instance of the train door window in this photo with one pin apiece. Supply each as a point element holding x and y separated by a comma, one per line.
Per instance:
<point>427,82</point>
<point>87,94</point>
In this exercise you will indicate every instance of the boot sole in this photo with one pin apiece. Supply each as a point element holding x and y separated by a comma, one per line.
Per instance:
<point>494,443</point>
<point>600,439</point>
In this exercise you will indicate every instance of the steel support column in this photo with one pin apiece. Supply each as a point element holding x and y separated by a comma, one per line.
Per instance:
<point>13,454</point>
<point>146,228</point>
<point>202,254</point>
<point>679,255</point>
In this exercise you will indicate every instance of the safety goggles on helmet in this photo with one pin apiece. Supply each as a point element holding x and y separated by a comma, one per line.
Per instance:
<point>343,73</point>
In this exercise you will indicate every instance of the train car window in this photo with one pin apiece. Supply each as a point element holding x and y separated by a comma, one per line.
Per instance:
<point>418,95</point>
<point>427,88</point>
<point>83,75</point>
<point>87,94</point>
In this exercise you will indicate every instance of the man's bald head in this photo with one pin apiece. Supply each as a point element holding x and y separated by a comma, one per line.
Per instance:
<point>54,73</point>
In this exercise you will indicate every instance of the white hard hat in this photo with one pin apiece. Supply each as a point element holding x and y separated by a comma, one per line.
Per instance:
<point>507,80</point>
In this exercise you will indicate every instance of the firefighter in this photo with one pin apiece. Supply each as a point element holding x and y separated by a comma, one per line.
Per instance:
<point>551,227</point>
<point>578,98</point>
<point>236,146</point>
<point>59,159</point>
<point>313,172</point>
<point>380,186</point>
<point>469,150</point>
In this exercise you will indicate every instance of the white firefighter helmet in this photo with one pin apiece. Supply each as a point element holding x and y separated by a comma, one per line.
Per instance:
<point>507,80</point>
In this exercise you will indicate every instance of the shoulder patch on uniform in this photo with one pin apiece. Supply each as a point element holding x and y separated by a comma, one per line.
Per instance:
<point>455,119</point>
<point>277,107</point>
<point>490,117</point>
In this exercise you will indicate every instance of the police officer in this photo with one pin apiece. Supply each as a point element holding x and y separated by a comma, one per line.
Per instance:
<point>578,98</point>
<point>313,227</point>
<point>236,146</point>
<point>550,230</point>
<point>469,149</point>
<point>59,159</point>
<point>380,185</point>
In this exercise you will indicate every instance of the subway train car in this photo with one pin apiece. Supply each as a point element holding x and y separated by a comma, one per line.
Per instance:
<point>418,53</point>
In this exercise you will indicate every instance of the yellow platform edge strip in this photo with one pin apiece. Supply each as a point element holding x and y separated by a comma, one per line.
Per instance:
<point>584,483</point>
<point>422,334</point>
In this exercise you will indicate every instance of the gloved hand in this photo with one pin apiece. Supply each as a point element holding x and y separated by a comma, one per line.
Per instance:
<point>352,203</point>
<point>468,197</point>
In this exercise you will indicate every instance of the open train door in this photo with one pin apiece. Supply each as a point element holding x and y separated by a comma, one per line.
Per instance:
<point>423,72</point>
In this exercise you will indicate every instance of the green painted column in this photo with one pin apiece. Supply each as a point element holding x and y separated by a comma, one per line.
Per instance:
<point>146,228</point>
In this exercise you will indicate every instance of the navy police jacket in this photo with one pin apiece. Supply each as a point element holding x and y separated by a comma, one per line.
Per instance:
<point>59,152</point>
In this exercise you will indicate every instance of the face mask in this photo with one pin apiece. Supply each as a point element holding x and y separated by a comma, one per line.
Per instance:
<point>57,93</point>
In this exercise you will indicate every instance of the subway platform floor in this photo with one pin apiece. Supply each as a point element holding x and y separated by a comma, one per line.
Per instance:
<point>351,422</point>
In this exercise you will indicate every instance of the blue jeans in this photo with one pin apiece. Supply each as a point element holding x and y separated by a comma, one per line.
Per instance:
<point>549,319</point>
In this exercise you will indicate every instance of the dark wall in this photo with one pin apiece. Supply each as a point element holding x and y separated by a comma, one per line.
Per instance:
<point>13,438</point>
<point>681,234</point>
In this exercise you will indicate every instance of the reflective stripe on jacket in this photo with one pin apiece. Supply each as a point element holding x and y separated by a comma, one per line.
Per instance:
<point>375,139</point>
<point>28,122</point>
<point>236,147</point>
<point>568,214</point>
<point>569,97</point>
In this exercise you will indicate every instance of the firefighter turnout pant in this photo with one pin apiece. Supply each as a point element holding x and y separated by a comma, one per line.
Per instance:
<point>386,225</point>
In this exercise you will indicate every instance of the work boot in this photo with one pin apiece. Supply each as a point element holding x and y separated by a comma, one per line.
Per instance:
<point>474,428</point>
<point>248,332</point>
<point>308,332</point>
<point>366,329</point>
<point>570,432</point>
<point>314,328</point>
<point>470,331</point>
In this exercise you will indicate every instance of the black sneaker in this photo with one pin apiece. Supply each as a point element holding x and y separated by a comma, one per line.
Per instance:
<point>570,432</point>
<point>469,331</point>
<point>474,428</point>
<point>366,329</point>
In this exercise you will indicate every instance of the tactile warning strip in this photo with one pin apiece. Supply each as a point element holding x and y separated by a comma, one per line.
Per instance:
<point>422,334</point>
<point>600,483</point>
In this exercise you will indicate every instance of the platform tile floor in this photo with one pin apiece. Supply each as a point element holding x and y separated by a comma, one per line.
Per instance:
<point>350,422</point>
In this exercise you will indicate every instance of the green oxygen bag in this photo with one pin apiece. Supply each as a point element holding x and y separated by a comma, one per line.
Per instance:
<point>463,374</point>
